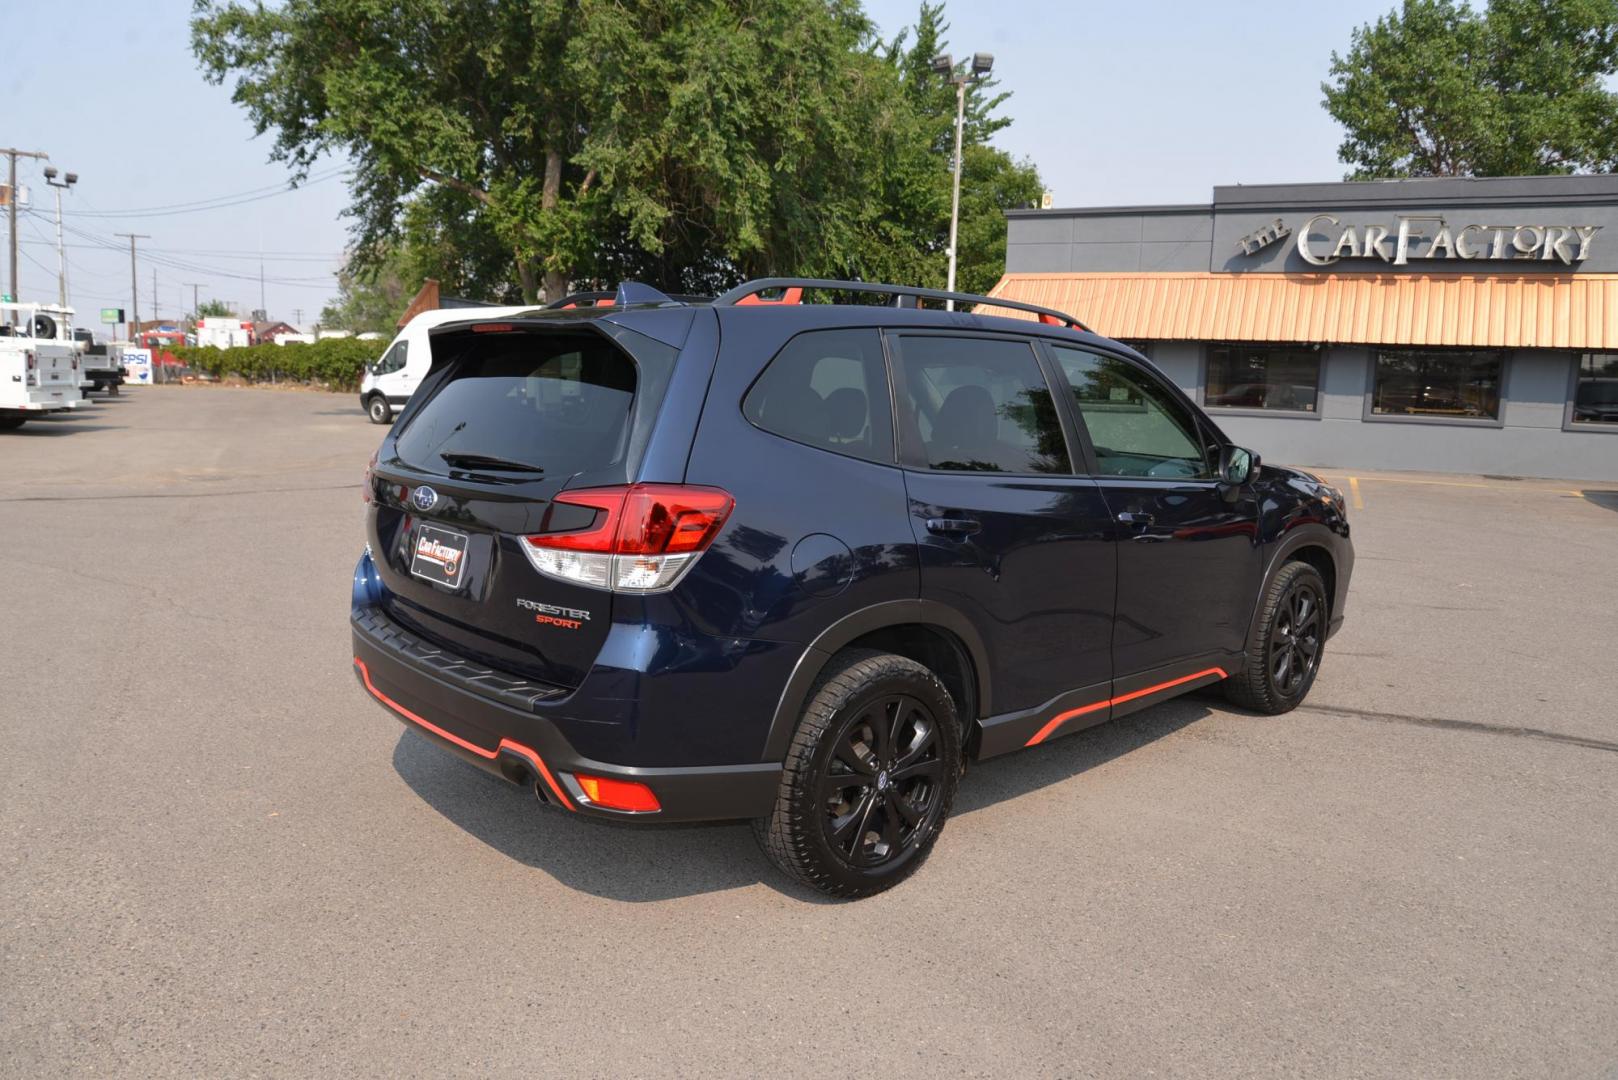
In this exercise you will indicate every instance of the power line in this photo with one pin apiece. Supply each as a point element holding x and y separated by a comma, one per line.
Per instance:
<point>192,267</point>
<point>217,203</point>
<point>269,256</point>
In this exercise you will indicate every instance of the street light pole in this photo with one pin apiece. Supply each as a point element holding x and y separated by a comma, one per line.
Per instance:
<point>982,63</point>
<point>61,252</point>
<point>955,198</point>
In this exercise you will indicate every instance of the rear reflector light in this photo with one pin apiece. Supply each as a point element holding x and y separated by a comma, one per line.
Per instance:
<point>644,538</point>
<point>618,794</point>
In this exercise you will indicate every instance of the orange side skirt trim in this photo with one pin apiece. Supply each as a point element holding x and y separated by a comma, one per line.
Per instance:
<point>1061,718</point>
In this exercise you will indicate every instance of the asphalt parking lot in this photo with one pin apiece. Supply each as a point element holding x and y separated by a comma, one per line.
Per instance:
<point>220,859</point>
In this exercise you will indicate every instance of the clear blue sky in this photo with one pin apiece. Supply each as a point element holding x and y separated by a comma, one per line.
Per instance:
<point>1151,101</point>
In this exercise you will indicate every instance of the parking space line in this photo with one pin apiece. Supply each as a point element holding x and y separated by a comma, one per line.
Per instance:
<point>1353,483</point>
<point>1354,489</point>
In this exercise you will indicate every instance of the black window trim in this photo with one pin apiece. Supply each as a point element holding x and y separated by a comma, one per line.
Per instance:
<point>909,442</point>
<point>1207,432</point>
<point>1242,410</point>
<point>893,459</point>
<point>1568,424</point>
<point>1499,421</point>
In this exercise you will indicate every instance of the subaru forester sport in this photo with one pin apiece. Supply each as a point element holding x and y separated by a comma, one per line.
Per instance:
<point>798,563</point>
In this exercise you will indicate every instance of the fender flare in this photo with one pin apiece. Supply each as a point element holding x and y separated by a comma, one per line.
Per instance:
<point>857,624</point>
<point>1311,535</point>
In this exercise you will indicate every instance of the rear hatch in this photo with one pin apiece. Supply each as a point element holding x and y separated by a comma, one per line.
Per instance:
<point>55,373</point>
<point>510,415</point>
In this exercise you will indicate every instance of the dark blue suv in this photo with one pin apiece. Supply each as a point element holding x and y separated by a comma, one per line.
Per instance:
<point>799,562</point>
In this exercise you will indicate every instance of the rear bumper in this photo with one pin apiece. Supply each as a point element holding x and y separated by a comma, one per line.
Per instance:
<point>463,708</point>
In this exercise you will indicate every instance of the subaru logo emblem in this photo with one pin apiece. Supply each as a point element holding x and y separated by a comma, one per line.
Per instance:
<point>424,497</point>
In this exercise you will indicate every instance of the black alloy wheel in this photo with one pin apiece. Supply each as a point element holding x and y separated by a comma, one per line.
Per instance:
<point>869,777</point>
<point>1295,641</point>
<point>883,781</point>
<point>1289,637</point>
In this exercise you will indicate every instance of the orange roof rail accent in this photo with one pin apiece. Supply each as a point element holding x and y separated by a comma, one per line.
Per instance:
<point>788,296</point>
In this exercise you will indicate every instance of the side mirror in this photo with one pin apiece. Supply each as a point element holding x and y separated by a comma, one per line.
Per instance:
<point>1237,467</point>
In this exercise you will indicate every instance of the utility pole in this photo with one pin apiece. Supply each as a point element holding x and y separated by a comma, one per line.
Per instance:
<point>134,285</point>
<point>297,316</point>
<point>11,202</point>
<point>155,316</point>
<point>195,303</point>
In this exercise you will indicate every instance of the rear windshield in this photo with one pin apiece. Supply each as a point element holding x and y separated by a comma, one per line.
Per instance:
<point>560,402</point>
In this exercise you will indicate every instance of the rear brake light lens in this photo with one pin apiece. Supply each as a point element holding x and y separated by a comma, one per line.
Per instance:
<point>618,794</point>
<point>644,538</point>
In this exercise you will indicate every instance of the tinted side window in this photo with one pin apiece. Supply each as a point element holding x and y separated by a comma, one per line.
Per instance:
<point>1137,427</point>
<point>827,388</point>
<point>978,405</point>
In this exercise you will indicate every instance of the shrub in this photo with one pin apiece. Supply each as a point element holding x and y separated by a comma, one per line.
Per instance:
<point>337,363</point>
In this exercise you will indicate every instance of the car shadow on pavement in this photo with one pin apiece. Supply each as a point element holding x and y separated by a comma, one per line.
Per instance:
<point>639,863</point>
<point>1606,499</point>
<point>53,428</point>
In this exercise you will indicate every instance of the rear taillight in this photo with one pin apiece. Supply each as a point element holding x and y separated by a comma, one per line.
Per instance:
<point>370,474</point>
<point>644,538</point>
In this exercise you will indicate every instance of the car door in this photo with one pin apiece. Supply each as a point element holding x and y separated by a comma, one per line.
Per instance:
<point>1188,558</point>
<point>1009,535</point>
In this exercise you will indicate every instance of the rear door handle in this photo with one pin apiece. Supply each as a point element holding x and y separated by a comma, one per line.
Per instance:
<point>1129,518</point>
<point>953,526</point>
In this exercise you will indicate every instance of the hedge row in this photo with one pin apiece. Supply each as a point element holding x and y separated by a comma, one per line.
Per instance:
<point>335,362</point>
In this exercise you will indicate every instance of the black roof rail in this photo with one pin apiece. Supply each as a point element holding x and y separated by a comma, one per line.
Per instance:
<point>900,293</point>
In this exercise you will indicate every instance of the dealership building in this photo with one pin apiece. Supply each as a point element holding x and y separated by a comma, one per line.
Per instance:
<point>1450,325</point>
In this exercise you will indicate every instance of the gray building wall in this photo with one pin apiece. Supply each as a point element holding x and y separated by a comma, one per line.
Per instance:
<point>1530,441</point>
<point>1204,237</point>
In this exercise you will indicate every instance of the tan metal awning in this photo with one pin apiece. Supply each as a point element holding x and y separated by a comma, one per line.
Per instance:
<point>1524,311</point>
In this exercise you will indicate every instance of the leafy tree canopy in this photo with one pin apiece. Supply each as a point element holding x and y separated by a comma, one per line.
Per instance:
<point>510,149</point>
<point>210,308</point>
<point>1519,88</point>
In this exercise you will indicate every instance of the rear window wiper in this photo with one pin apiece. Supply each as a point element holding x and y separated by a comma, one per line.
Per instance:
<point>487,461</point>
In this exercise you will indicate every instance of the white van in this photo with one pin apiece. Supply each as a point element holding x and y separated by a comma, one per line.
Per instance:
<point>389,382</point>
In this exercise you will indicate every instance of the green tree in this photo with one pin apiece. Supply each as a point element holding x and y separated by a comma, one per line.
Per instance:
<point>210,308</point>
<point>747,133</point>
<point>1438,89</point>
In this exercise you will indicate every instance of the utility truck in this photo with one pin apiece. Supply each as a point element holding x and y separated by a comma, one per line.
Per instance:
<point>101,365</point>
<point>39,363</point>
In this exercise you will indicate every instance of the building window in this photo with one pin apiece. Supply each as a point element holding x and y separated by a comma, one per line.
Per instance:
<point>1274,378</point>
<point>1443,383</point>
<point>1595,390</point>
